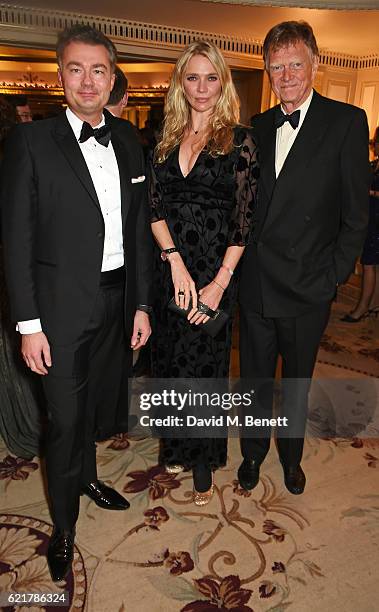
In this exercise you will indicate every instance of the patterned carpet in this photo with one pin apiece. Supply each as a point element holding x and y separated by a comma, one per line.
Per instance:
<point>353,346</point>
<point>265,550</point>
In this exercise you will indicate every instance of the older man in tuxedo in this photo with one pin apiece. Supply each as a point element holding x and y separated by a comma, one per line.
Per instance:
<point>77,257</point>
<point>310,224</point>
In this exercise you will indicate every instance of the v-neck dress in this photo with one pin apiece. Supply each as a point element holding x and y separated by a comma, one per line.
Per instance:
<point>209,209</point>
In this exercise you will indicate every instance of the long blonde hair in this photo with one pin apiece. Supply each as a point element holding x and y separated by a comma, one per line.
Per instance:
<point>177,110</point>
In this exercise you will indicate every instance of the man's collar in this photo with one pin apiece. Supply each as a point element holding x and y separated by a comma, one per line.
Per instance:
<point>76,123</point>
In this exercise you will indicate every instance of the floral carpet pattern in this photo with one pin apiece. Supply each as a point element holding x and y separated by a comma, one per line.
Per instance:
<point>342,340</point>
<point>259,550</point>
<point>263,550</point>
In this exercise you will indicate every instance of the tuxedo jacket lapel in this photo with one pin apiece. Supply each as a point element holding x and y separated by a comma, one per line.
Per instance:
<point>265,134</point>
<point>65,139</point>
<point>267,144</point>
<point>124,171</point>
<point>301,153</point>
<point>302,150</point>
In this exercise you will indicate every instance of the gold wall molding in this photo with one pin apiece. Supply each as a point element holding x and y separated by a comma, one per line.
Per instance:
<point>342,5</point>
<point>38,27</point>
<point>56,90</point>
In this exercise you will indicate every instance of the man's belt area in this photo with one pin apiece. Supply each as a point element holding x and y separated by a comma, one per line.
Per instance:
<point>112,277</point>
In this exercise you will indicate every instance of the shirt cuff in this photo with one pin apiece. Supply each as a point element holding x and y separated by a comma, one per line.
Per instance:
<point>29,327</point>
<point>145,308</point>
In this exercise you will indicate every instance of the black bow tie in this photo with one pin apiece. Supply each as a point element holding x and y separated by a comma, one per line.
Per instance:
<point>102,134</point>
<point>280,118</point>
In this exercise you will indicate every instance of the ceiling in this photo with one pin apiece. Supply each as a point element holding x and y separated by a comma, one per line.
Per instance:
<point>354,32</point>
<point>333,4</point>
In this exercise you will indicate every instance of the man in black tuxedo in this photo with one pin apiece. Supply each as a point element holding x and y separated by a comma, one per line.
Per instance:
<point>310,224</point>
<point>76,238</point>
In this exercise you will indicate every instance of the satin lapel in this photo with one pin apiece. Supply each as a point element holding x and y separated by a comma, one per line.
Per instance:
<point>302,151</point>
<point>65,139</point>
<point>267,144</point>
<point>123,168</point>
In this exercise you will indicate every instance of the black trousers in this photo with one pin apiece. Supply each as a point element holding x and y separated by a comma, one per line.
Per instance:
<point>297,340</point>
<point>86,390</point>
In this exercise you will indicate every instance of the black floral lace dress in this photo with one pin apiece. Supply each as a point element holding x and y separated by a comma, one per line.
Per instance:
<point>206,211</point>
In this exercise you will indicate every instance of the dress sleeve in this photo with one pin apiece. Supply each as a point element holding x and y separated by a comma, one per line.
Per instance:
<point>246,177</point>
<point>155,194</point>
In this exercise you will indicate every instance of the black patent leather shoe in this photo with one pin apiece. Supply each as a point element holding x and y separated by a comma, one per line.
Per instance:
<point>294,479</point>
<point>104,496</point>
<point>248,473</point>
<point>60,553</point>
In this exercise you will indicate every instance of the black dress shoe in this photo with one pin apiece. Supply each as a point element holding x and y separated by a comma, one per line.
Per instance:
<point>248,473</point>
<point>104,496</point>
<point>294,479</point>
<point>60,553</point>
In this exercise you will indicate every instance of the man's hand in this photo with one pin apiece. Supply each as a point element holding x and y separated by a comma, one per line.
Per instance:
<point>141,330</point>
<point>35,351</point>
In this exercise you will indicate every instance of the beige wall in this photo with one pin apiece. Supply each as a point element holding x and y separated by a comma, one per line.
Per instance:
<point>367,95</point>
<point>338,84</point>
<point>359,87</point>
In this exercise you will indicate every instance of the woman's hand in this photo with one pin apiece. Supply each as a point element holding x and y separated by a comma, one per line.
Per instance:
<point>183,283</point>
<point>210,295</point>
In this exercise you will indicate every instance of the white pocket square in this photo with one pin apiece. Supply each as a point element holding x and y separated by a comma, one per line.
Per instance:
<point>139,179</point>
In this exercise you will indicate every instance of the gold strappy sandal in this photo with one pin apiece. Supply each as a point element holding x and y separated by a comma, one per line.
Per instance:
<point>174,469</point>
<point>201,499</point>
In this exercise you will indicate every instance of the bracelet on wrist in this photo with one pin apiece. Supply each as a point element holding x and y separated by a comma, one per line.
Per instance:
<point>231,272</point>
<point>145,308</point>
<point>218,285</point>
<point>166,252</point>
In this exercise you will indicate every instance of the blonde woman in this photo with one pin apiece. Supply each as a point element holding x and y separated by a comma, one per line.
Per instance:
<point>202,189</point>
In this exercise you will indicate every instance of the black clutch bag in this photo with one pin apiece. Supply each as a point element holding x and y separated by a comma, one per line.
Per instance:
<point>217,319</point>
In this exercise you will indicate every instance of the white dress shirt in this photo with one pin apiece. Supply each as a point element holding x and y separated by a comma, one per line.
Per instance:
<point>286,136</point>
<point>103,168</point>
